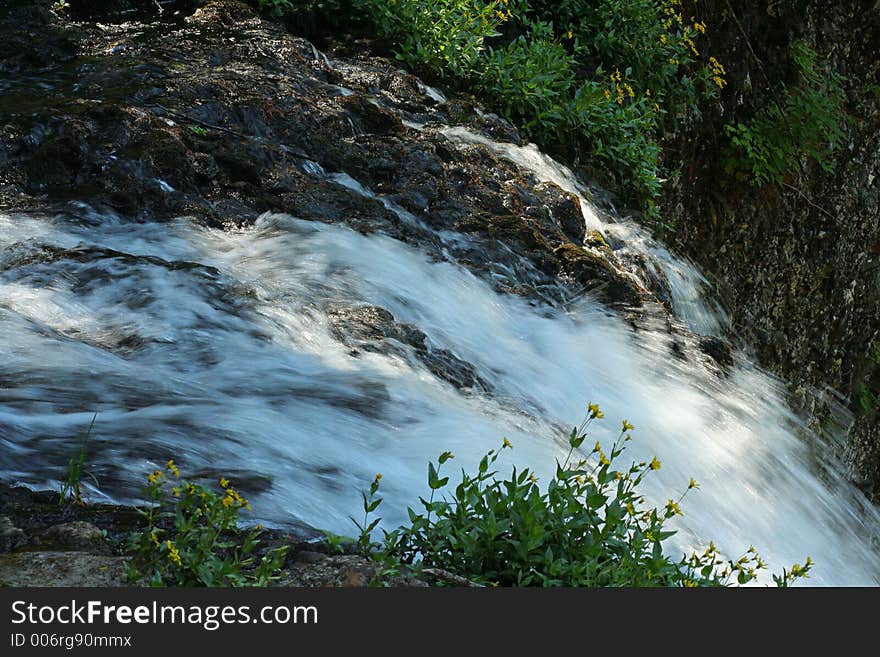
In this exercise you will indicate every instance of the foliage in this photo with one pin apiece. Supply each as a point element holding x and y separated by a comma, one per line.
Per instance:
<point>279,7</point>
<point>190,537</point>
<point>446,37</point>
<point>71,486</point>
<point>594,81</point>
<point>808,120</point>
<point>589,527</point>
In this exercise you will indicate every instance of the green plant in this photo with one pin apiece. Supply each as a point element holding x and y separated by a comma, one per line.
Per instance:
<point>198,130</point>
<point>192,538</point>
<point>594,81</point>
<point>445,37</point>
<point>60,5</point>
<point>71,486</point>
<point>278,7</point>
<point>807,121</point>
<point>589,527</point>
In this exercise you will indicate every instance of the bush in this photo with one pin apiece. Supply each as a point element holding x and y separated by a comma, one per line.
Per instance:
<point>594,81</point>
<point>808,120</point>
<point>589,527</point>
<point>192,537</point>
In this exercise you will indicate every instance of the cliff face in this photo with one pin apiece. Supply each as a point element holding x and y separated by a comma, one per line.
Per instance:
<point>797,266</point>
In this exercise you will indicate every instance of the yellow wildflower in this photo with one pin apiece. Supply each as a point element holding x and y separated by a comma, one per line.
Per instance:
<point>506,444</point>
<point>693,484</point>
<point>627,426</point>
<point>175,491</point>
<point>173,468</point>
<point>173,552</point>
<point>224,482</point>
<point>533,478</point>
<point>655,464</point>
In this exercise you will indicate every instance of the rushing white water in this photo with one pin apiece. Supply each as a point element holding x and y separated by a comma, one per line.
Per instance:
<point>215,348</point>
<point>687,285</point>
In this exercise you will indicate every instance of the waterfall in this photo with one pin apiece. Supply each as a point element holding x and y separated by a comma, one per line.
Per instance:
<point>223,349</point>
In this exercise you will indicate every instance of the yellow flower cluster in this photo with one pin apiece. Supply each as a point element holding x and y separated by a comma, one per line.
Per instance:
<point>232,496</point>
<point>718,72</point>
<point>173,552</point>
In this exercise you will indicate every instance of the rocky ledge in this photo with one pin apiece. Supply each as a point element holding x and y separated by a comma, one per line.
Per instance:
<point>43,543</point>
<point>218,115</point>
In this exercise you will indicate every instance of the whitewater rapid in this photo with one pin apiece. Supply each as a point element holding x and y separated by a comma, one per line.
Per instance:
<point>215,348</point>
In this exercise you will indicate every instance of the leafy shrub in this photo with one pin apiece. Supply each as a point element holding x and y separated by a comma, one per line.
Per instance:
<point>279,7</point>
<point>191,537</point>
<point>589,527</point>
<point>594,81</point>
<point>807,121</point>
<point>446,37</point>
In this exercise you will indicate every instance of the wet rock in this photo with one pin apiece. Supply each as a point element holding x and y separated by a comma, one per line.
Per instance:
<point>10,536</point>
<point>598,275</point>
<point>372,328</point>
<point>718,350</point>
<point>566,211</point>
<point>61,569</point>
<point>54,165</point>
<point>369,117</point>
<point>862,456</point>
<point>76,535</point>
<point>237,122</point>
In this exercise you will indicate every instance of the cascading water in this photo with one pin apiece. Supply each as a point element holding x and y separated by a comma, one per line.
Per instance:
<point>215,348</point>
<point>219,348</point>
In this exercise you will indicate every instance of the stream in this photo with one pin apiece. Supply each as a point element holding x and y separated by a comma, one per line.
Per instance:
<point>220,348</point>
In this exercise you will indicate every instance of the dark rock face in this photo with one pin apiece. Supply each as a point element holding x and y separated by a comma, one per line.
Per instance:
<point>216,114</point>
<point>10,535</point>
<point>797,266</point>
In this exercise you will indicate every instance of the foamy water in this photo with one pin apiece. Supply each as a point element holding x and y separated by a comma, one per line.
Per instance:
<point>215,348</point>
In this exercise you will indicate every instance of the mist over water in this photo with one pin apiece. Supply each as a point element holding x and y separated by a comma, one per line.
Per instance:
<point>217,348</point>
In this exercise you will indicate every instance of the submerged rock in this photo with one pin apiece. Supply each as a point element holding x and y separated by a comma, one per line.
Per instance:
<point>371,328</point>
